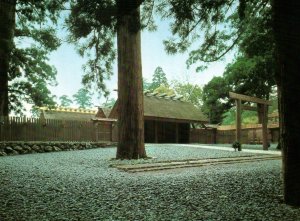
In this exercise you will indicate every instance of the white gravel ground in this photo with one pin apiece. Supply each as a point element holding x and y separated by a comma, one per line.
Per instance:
<point>81,185</point>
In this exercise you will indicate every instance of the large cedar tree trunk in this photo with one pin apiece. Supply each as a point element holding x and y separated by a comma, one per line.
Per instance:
<point>287,35</point>
<point>130,87</point>
<point>7,27</point>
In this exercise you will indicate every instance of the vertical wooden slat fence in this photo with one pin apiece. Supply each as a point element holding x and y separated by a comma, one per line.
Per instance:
<point>33,129</point>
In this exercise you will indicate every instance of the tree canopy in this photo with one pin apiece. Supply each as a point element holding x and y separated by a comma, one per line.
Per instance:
<point>83,98</point>
<point>159,79</point>
<point>34,38</point>
<point>65,101</point>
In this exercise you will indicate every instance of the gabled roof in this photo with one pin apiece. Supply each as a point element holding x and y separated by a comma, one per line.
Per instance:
<point>166,108</point>
<point>62,113</point>
<point>106,111</point>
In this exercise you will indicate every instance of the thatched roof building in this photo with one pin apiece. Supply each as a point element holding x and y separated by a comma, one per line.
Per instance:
<point>66,113</point>
<point>166,108</point>
<point>167,118</point>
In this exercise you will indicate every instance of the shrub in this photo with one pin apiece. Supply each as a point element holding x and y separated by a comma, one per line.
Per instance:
<point>237,145</point>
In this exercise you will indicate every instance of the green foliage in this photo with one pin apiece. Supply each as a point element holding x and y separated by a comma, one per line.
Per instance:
<point>92,26</point>
<point>190,92</point>
<point>110,102</point>
<point>253,70</point>
<point>83,98</point>
<point>217,26</point>
<point>248,117</point>
<point>215,99</point>
<point>163,89</point>
<point>35,38</point>
<point>65,101</point>
<point>159,78</point>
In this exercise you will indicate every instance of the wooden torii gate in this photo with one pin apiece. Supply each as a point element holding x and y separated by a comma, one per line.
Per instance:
<point>262,109</point>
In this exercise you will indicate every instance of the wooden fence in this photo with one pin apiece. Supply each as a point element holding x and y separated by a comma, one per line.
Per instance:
<point>34,129</point>
<point>251,134</point>
<point>205,136</point>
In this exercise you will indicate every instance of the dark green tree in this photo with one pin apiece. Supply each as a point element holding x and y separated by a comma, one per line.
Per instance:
<point>27,36</point>
<point>93,26</point>
<point>223,30</point>
<point>215,99</point>
<point>159,78</point>
<point>83,98</point>
<point>65,101</point>
<point>252,72</point>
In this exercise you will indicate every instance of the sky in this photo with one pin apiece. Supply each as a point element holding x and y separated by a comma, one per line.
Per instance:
<point>69,65</point>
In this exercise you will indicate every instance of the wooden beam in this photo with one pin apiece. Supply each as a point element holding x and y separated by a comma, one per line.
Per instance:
<point>248,107</point>
<point>248,98</point>
<point>265,127</point>
<point>238,121</point>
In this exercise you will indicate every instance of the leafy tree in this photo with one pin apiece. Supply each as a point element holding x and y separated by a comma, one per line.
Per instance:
<point>163,89</point>
<point>252,72</point>
<point>93,26</point>
<point>65,101</point>
<point>248,117</point>
<point>223,30</point>
<point>24,71</point>
<point>215,99</point>
<point>190,92</point>
<point>83,98</point>
<point>159,78</point>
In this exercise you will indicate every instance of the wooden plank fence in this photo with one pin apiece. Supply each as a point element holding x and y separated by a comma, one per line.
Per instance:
<point>250,134</point>
<point>34,129</point>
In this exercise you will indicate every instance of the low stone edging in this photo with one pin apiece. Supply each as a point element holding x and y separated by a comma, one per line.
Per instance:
<point>18,147</point>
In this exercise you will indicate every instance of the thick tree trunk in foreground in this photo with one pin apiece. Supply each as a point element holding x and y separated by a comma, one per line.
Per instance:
<point>130,87</point>
<point>287,35</point>
<point>7,27</point>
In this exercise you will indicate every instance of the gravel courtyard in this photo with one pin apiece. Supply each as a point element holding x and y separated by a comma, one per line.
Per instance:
<point>82,185</point>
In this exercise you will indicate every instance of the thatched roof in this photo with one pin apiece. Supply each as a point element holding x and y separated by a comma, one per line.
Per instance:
<point>158,107</point>
<point>62,113</point>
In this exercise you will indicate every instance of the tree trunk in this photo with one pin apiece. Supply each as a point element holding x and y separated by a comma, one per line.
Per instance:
<point>287,35</point>
<point>130,86</point>
<point>7,27</point>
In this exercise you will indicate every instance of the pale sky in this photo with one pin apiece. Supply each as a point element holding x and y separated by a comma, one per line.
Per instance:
<point>69,65</point>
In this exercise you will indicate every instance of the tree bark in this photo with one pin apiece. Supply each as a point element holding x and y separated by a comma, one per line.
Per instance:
<point>7,27</point>
<point>287,36</point>
<point>130,86</point>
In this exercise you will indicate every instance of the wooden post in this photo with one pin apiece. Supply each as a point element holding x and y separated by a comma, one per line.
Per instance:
<point>238,121</point>
<point>110,131</point>
<point>265,127</point>
<point>155,131</point>
<point>96,132</point>
<point>177,133</point>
